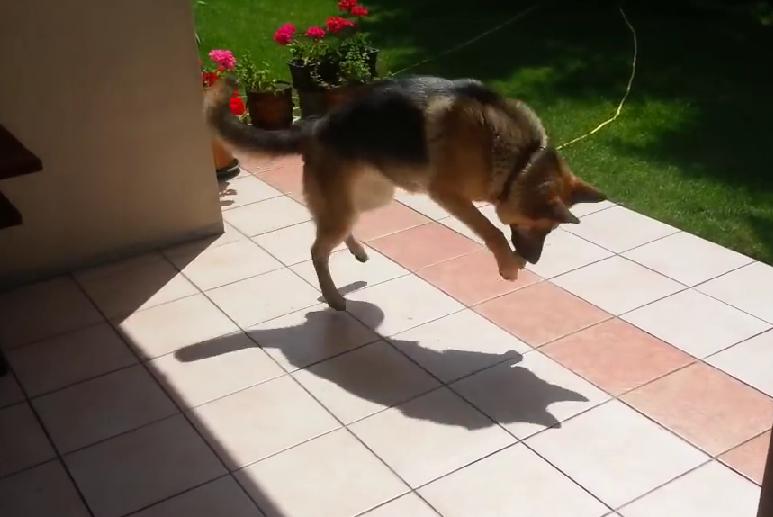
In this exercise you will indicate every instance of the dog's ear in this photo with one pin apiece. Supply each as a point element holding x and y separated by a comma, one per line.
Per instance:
<point>584,193</point>
<point>561,214</point>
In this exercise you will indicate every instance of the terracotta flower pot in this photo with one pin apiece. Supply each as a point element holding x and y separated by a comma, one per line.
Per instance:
<point>301,76</point>
<point>335,97</point>
<point>271,110</point>
<point>225,163</point>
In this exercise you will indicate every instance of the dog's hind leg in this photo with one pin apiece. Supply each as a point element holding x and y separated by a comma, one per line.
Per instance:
<point>328,237</point>
<point>356,248</point>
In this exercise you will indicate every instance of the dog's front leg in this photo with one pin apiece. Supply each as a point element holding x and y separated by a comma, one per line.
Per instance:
<point>508,261</point>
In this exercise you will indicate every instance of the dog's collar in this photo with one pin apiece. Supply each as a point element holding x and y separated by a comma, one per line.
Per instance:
<point>523,163</point>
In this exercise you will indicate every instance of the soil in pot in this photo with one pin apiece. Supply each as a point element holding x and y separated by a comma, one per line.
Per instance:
<point>271,110</point>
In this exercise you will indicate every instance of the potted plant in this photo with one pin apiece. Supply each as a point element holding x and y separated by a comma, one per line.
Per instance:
<point>353,74</point>
<point>269,100</point>
<point>317,56</point>
<point>223,61</point>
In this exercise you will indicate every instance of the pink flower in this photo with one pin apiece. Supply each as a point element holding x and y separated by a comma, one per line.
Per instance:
<point>359,11</point>
<point>223,58</point>
<point>284,35</point>
<point>336,24</point>
<point>346,5</point>
<point>315,32</point>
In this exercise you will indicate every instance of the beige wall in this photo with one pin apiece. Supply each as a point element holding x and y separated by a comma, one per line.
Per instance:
<point>107,93</point>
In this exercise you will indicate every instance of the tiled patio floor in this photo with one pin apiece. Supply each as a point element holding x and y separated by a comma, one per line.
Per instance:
<point>629,373</point>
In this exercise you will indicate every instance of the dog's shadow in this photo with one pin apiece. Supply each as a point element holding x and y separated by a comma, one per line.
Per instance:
<point>521,396</point>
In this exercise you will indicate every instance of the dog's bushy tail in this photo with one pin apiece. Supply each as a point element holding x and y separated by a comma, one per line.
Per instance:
<point>242,136</point>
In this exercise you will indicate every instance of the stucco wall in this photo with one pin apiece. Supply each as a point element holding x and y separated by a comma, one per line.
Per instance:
<point>107,94</point>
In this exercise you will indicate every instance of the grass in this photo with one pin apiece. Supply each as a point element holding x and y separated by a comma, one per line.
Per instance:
<point>693,144</point>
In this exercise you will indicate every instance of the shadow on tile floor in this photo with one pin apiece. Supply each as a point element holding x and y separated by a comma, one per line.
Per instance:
<point>286,339</point>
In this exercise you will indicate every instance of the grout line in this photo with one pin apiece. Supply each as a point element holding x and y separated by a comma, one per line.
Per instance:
<point>187,490</point>
<point>165,391</point>
<point>57,453</point>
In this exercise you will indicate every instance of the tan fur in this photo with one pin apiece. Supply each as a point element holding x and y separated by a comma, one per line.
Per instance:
<point>473,150</point>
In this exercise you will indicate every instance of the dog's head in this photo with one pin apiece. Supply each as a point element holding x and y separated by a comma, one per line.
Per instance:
<point>538,199</point>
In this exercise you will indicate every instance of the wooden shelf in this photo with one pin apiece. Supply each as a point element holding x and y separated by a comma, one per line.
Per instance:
<point>9,215</point>
<point>15,159</point>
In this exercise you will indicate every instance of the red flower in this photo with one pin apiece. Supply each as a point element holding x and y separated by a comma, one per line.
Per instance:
<point>359,11</point>
<point>208,78</point>
<point>346,5</point>
<point>336,24</point>
<point>315,32</point>
<point>284,34</point>
<point>236,104</point>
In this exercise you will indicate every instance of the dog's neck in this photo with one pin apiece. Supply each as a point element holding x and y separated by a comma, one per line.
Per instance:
<point>503,182</point>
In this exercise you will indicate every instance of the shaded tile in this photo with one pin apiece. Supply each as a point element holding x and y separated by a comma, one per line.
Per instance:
<point>40,492</point>
<point>229,235</point>
<point>705,406</point>
<point>409,505</point>
<point>139,468</point>
<point>400,304</point>
<point>22,441</point>
<point>616,356</point>
<point>513,482</point>
<point>299,481</point>
<point>749,458</point>
<point>541,313</point>
<point>131,285</point>
<point>564,252</point>
<point>530,395</point>
<point>703,326</point>
<point>211,369</point>
<point>445,433</point>
<point>364,381</point>
<point>284,174</point>
<point>260,421</point>
<point>56,362</point>
<point>299,339</point>
<point>220,497</point>
<point>264,297</point>
<point>617,285</point>
<point>391,218</point>
<point>711,490</point>
<point>473,278</point>
<point>750,361</point>
<point>266,216</point>
<point>458,344</point>
<point>244,191</point>
<point>583,209</point>
<point>616,453</point>
<point>350,275</point>
<point>103,407</point>
<point>163,329</point>
<point>687,258</point>
<point>422,203</point>
<point>291,245</point>
<point>10,391</point>
<point>748,288</point>
<point>424,245</point>
<point>42,310</point>
<point>619,229</point>
<point>224,264</point>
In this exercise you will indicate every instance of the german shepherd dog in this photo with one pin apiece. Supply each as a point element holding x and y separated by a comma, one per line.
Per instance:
<point>455,140</point>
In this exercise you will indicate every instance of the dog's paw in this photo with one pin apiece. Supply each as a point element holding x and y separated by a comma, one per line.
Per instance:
<point>509,270</point>
<point>336,301</point>
<point>361,255</point>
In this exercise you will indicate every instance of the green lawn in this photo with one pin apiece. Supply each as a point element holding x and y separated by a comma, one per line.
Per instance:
<point>692,146</point>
